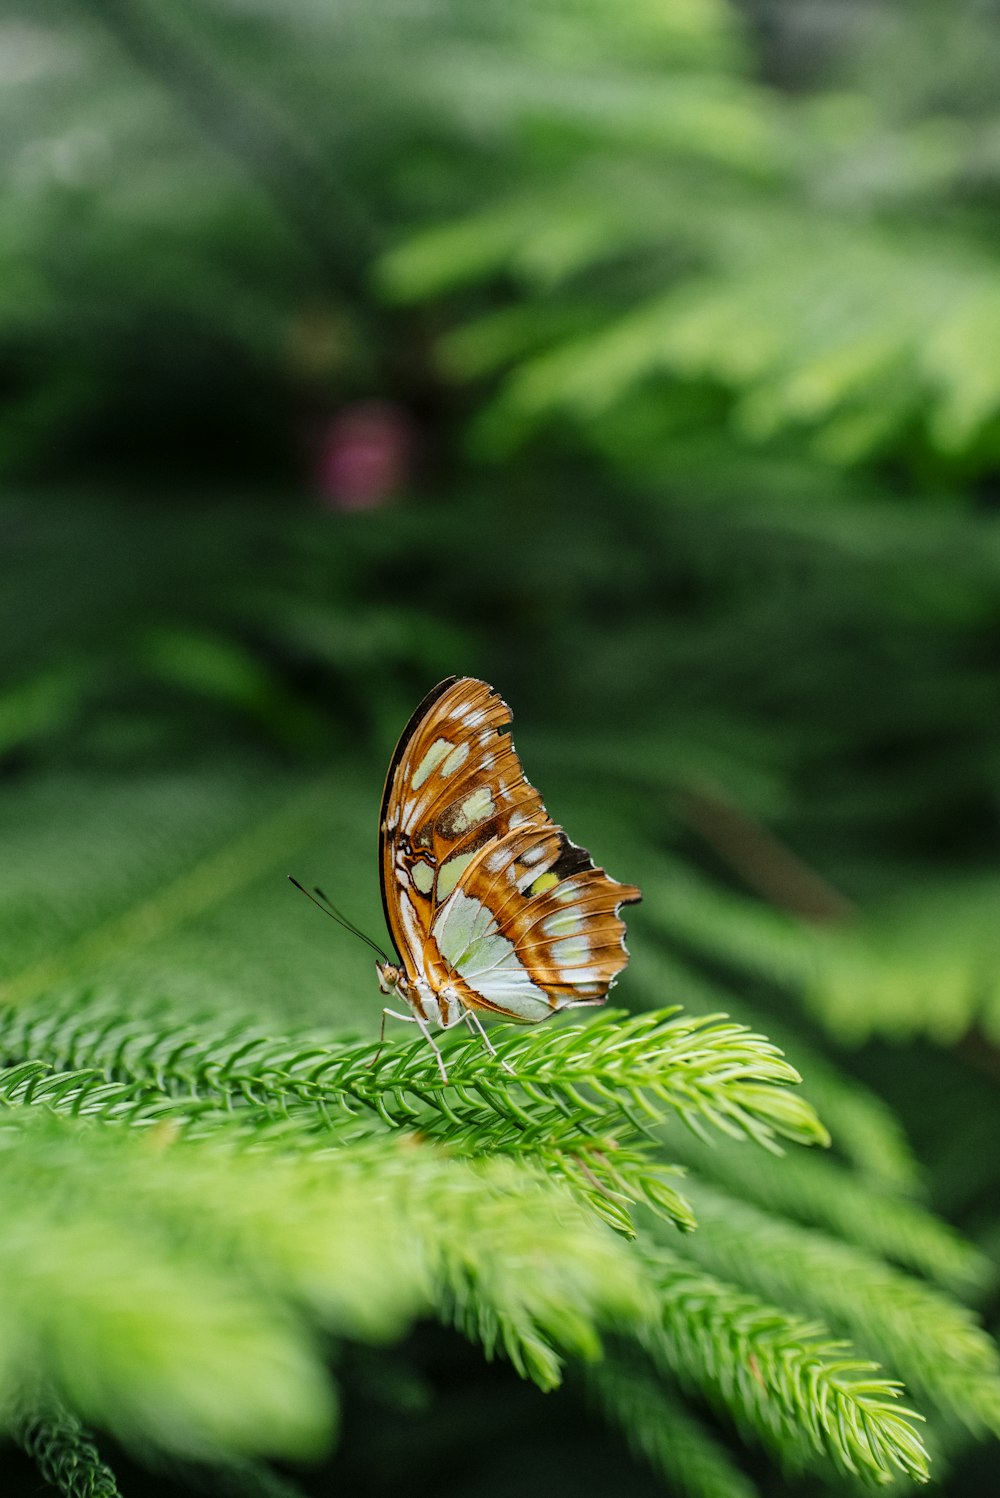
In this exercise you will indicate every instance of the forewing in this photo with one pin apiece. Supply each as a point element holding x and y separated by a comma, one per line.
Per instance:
<point>533,926</point>
<point>455,785</point>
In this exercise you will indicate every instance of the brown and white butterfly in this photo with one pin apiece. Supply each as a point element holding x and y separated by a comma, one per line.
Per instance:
<point>489,904</point>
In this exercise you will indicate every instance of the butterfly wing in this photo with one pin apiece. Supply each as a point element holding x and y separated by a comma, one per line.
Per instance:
<point>454,784</point>
<point>533,927</point>
<point>480,888</point>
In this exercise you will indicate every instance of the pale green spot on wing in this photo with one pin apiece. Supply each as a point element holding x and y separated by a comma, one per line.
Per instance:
<point>455,759</point>
<point>475,808</point>
<point>451,873</point>
<point>479,805</point>
<point>435,754</point>
<point>469,942</point>
<point>423,877</point>
<point>563,923</point>
<point>574,950</point>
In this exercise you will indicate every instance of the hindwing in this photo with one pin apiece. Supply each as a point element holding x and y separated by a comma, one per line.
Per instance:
<point>481,889</point>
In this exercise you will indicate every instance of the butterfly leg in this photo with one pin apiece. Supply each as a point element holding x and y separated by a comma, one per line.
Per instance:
<point>414,1019</point>
<point>410,1018</point>
<point>475,1023</point>
<point>425,1032</point>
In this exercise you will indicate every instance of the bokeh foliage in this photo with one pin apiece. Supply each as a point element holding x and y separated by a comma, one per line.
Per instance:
<point>692,322</point>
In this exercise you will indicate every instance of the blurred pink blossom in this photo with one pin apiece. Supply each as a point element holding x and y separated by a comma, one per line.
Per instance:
<point>364,455</point>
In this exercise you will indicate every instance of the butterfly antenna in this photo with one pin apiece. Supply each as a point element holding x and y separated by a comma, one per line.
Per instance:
<point>336,910</point>
<point>328,908</point>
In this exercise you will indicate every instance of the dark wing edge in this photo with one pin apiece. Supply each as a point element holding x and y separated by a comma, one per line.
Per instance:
<point>413,723</point>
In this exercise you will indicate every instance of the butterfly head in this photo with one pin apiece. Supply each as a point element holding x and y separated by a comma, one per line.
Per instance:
<point>390,978</point>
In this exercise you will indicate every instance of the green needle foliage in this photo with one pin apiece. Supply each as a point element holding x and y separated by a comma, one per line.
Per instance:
<point>934,1342</point>
<point>364,1232</point>
<point>194,1107</point>
<point>764,1366</point>
<point>368,1193</point>
<point>353,1192</point>
<point>582,1102</point>
<point>735,349</point>
<point>64,1454</point>
<point>822,1193</point>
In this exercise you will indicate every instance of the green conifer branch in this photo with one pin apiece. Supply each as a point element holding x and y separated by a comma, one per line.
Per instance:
<point>366,1237</point>
<point>781,1377</point>
<point>63,1452</point>
<point>931,1340</point>
<point>866,1132</point>
<point>658,1427</point>
<point>863,1127</point>
<point>305,1118</point>
<point>581,1100</point>
<point>223,1159</point>
<point>634,1068</point>
<point>610,1176</point>
<point>147,1332</point>
<point>821,1192</point>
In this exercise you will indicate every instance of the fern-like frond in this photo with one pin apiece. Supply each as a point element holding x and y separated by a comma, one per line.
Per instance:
<point>863,1128</point>
<point>609,1175</point>
<point>645,1066</point>
<point>62,1450</point>
<point>930,1339</point>
<point>728,926</point>
<point>138,1330</point>
<point>237,1234</point>
<point>866,1133</point>
<point>581,1101</point>
<point>822,1193</point>
<point>780,1377</point>
<point>924,963</point>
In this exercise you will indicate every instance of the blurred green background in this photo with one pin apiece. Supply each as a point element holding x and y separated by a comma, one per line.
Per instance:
<point>642,358</point>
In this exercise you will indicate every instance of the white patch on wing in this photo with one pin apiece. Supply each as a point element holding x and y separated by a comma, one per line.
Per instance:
<point>451,872</point>
<point>563,923</point>
<point>423,877</point>
<point>411,927</point>
<point>430,762</point>
<point>470,942</point>
<point>514,992</point>
<point>571,952</point>
<point>455,759</point>
<point>585,976</point>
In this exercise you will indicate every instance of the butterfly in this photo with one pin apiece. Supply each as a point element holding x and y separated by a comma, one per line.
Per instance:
<point>491,908</point>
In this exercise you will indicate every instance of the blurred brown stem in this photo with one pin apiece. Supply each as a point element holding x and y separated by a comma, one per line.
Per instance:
<point>764,863</point>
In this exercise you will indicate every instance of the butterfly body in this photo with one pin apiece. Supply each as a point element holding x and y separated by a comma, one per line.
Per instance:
<point>491,907</point>
<point>441,1007</point>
